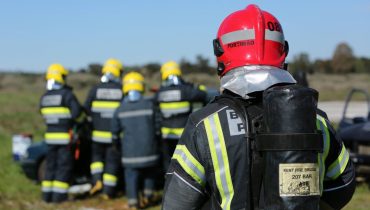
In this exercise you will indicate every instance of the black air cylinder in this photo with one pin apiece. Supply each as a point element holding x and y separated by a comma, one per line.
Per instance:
<point>290,148</point>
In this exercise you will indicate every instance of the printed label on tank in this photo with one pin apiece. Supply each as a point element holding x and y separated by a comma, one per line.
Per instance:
<point>109,94</point>
<point>299,179</point>
<point>52,100</point>
<point>170,95</point>
<point>236,125</point>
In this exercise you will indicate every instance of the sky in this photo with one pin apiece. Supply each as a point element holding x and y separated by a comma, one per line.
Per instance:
<point>76,33</point>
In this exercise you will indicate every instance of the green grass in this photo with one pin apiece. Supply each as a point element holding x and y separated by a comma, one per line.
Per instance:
<point>19,101</point>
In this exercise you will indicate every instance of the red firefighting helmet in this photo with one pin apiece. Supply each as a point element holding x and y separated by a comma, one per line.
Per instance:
<point>250,37</point>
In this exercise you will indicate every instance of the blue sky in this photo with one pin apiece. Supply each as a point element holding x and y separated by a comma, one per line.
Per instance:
<point>76,33</point>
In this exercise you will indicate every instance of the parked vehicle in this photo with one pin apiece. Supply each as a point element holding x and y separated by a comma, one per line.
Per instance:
<point>33,163</point>
<point>355,132</point>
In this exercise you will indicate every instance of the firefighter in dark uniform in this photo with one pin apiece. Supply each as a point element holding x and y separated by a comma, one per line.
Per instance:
<point>100,104</point>
<point>176,99</point>
<point>135,118</point>
<point>60,110</point>
<point>216,156</point>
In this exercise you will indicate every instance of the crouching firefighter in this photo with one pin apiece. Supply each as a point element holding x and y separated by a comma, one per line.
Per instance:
<point>135,118</point>
<point>262,144</point>
<point>61,112</point>
<point>100,104</point>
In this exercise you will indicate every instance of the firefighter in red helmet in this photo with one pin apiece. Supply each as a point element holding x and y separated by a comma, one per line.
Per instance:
<point>262,144</point>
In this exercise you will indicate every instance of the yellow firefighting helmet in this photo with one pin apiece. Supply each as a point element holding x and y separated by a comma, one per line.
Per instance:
<point>111,69</point>
<point>170,68</point>
<point>133,81</point>
<point>115,63</point>
<point>56,72</point>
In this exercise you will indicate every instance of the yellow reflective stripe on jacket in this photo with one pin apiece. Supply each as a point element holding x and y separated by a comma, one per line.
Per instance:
<point>219,159</point>
<point>321,125</point>
<point>174,105</point>
<point>109,180</point>
<point>102,136</point>
<point>57,138</point>
<point>63,135</point>
<point>338,166</point>
<point>169,109</point>
<point>189,164</point>
<point>55,110</point>
<point>172,131</point>
<point>96,167</point>
<point>105,104</point>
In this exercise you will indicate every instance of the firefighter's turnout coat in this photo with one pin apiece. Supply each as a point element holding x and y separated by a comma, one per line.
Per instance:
<point>100,104</point>
<point>209,163</point>
<point>136,120</point>
<point>176,102</point>
<point>60,109</point>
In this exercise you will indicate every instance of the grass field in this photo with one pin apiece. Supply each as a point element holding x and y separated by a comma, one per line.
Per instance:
<point>19,99</point>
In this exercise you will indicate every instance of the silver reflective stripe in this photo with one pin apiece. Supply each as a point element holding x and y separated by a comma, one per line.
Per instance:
<point>59,116</point>
<point>339,167</point>
<point>103,110</point>
<point>57,141</point>
<point>132,201</point>
<point>171,136</point>
<point>109,183</point>
<point>238,36</point>
<point>220,160</point>
<point>139,159</point>
<point>275,36</point>
<point>169,112</point>
<point>101,139</point>
<point>97,171</point>
<point>59,190</point>
<point>137,113</point>
<point>190,164</point>
<point>170,95</point>
<point>46,189</point>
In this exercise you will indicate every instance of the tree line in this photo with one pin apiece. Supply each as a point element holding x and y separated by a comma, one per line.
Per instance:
<point>343,61</point>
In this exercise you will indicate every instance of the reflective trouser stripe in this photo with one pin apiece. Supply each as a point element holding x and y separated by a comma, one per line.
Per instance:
<point>46,186</point>
<point>321,125</point>
<point>170,108</point>
<point>109,180</point>
<point>189,164</point>
<point>57,112</point>
<point>60,187</point>
<point>219,159</point>
<point>57,138</point>
<point>338,166</point>
<point>102,136</point>
<point>171,132</point>
<point>96,167</point>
